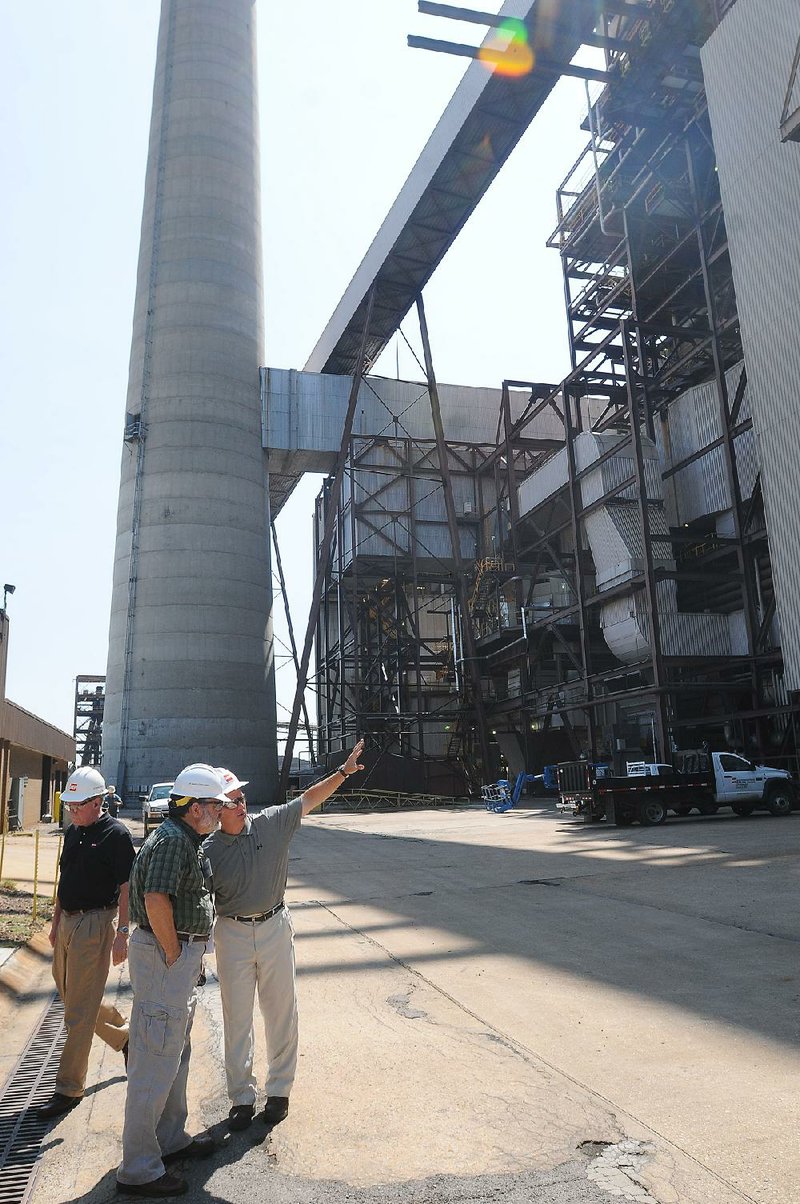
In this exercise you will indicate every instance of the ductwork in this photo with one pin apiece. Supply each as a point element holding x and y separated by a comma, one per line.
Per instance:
<point>614,535</point>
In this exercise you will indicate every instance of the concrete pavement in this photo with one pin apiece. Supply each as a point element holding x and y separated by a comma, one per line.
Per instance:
<point>512,1007</point>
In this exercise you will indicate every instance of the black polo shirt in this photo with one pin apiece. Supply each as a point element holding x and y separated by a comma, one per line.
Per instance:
<point>95,862</point>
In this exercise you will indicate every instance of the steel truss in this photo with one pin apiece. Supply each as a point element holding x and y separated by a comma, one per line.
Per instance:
<point>87,728</point>
<point>390,655</point>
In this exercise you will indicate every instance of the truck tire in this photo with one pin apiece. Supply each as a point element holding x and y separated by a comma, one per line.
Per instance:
<point>623,819</point>
<point>743,808</point>
<point>652,811</point>
<point>780,801</point>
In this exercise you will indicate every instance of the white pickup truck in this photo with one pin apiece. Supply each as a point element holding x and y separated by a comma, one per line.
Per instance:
<point>703,780</point>
<point>741,784</point>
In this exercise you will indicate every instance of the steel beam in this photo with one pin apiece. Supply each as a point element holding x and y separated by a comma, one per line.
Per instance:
<point>324,553</point>
<point>452,523</point>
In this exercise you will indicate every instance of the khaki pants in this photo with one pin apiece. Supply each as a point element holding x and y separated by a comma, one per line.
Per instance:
<point>81,962</point>
<point>257,957</point>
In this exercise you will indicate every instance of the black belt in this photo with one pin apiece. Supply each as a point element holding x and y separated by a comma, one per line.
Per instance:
<point>265,915</point>
<point>85,911</point>
<point>187,937</point>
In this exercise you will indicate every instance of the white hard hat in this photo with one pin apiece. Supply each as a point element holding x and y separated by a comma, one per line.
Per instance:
<point>84,783</point>
<point>230,779</point>
<point>197,782</point>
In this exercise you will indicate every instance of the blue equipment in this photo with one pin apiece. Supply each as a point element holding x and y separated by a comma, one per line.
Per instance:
<point>502,796</point>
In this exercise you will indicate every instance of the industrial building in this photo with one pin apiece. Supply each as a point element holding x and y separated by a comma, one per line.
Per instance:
<point>34,756</point>
<point>600,566</point>
<point>630,540</point>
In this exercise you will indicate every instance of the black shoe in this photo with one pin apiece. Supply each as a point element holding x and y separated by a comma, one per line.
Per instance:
<point>124,1052</point>
<point>276,1110</point>
<point>167,1185</point>
<point>58,1105</point>
<point>241,1116</point>
<point>198,1147</point>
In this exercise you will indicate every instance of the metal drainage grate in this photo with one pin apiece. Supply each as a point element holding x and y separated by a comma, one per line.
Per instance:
<point>30,1085</point>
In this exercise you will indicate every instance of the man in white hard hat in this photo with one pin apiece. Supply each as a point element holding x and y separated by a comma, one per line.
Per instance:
<point>254,938</point>
<point>172,908</point>
<point>112,802</point>
<point>92,892</point>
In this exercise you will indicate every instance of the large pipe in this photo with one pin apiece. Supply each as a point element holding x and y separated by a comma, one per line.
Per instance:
<point>190,669</point>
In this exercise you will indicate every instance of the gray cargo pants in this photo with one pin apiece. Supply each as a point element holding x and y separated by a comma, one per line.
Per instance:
<point>158,1056</point>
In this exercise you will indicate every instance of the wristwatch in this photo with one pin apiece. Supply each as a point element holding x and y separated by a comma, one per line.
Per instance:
<point>341,769</point>
<point>123,929</point>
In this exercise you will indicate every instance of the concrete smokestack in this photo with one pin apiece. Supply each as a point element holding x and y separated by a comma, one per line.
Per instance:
<point>190,669</point>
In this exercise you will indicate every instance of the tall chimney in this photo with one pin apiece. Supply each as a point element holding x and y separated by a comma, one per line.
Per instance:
<point>190,667</point>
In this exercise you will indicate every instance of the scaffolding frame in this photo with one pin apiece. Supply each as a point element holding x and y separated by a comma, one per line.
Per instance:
<point>385,668</point>
<point>651,311</point>
<point>87,725</point>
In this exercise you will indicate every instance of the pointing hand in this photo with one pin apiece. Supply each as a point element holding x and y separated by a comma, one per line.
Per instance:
<point>352,764</point>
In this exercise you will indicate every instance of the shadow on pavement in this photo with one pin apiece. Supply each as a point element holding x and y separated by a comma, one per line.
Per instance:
<point>685,914</point>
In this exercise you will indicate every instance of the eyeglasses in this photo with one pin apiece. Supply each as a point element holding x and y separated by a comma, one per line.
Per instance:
<point>77,806</point>
<point>232,803</point>
<point>210,802</point>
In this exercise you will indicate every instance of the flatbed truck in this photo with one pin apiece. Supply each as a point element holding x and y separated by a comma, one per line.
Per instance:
<point>696,779</point>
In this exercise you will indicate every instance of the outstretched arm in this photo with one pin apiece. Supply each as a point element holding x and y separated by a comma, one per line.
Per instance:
<point>316,795</point>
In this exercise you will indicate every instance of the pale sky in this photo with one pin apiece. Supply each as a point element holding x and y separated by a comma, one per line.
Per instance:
<point>346,108</point>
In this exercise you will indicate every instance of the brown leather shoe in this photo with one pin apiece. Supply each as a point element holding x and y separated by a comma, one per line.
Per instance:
<point>167,1185</point>
<point>58,1105</point>
<point>198,1147</point>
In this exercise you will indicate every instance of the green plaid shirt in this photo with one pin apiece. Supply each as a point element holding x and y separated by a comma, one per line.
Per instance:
<point>170,863</point>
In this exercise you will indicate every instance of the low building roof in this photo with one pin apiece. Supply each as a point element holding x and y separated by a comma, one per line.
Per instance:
<point>26,730</point>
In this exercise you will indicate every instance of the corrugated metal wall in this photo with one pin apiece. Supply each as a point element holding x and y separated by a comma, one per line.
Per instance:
<point>747,63</point>
<point>397,492</point>
<point>693,422</point>
<point>305,412</point>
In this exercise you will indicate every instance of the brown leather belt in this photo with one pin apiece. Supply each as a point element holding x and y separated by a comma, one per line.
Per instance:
<point>265,915</point>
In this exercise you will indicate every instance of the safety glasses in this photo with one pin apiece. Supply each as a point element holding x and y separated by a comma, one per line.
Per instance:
<point>231,804</point>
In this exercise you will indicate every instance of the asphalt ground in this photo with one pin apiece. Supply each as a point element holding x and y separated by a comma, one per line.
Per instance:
<point>503,1008</point>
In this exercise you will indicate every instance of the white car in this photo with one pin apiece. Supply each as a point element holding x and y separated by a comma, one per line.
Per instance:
<point>155,805</point>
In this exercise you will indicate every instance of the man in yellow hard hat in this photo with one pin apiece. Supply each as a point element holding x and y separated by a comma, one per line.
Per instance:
<point>172,909</point>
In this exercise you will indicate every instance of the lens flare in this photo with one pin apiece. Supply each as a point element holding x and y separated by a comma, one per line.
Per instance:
<point>508,51</point>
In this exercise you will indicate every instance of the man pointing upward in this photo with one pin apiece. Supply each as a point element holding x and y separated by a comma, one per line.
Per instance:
<point>254,938</point>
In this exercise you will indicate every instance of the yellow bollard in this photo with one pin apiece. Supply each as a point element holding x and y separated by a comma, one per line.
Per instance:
<point>55,874</point>
<point>35,873</point>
